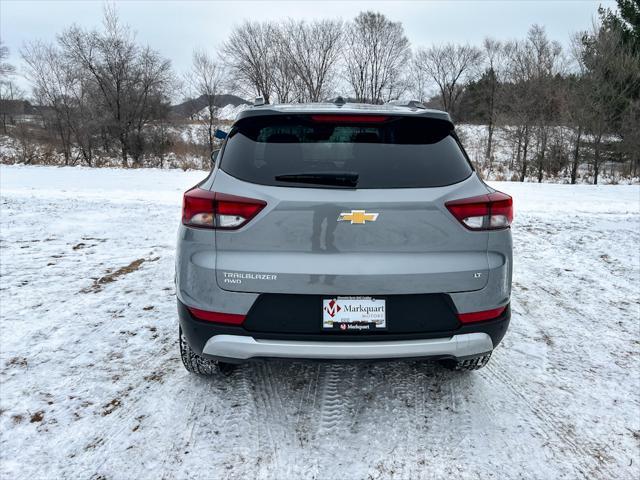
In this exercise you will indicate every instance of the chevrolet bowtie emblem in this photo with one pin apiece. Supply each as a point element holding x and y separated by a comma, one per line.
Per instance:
<point>358,216</point>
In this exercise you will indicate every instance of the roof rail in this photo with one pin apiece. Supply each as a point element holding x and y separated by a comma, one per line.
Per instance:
<point>258,102</point>
<point>408,103</point>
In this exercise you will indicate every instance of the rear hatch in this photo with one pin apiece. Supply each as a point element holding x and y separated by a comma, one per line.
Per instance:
<point>354,206</point>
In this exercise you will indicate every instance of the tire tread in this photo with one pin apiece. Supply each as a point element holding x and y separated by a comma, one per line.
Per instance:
<point>193,362</point>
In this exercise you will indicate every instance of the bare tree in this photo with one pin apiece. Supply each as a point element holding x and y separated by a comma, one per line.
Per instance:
<point>493,54</point>
<point>286,83</point>
<point>130,80</point>
<point>419,82</point>
<point>529,100</point>
<point>53,87</point>
<point>249,54</point>
<point>578,93</point>
<point>450,67</point>
<point>376,55</point>
<point>206,80</point>
<point>548,60</point>
<point>312,50</point>
<point>517,101</point>
<point>9,92</point>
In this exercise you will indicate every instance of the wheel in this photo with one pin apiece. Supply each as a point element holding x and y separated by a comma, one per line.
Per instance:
<point>467,364</point>
<point>194,363</point>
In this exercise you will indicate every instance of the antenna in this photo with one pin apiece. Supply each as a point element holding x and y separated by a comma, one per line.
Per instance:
<point>339,100</point>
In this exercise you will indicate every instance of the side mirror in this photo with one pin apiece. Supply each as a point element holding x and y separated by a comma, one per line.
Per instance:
<point>214,157</point>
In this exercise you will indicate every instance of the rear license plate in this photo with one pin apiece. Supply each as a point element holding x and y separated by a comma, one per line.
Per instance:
<point>354,314</point>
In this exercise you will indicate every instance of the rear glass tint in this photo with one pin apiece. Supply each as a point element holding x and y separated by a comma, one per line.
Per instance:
<point>396,152</point>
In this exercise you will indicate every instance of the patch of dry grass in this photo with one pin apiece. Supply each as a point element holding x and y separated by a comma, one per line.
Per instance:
<point>110,277</point>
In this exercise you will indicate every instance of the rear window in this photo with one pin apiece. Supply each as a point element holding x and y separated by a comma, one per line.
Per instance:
<point>388,152</point>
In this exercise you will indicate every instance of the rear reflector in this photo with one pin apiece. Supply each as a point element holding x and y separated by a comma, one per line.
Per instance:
<point>228,318</point>
<point>205,209</point>
<point>484,212</point>
<point>481,316</point>
<point>349,118</point>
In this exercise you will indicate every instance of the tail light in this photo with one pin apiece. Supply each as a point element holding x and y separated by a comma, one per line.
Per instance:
<point>481,316</point>
<point>218,317</point>
<point>484,212</point>
<point>205,209</point>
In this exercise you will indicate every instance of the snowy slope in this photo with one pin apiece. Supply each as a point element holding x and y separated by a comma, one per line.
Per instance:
<point>229,112</point>
<point>92,386</point>
<point>197,132</point>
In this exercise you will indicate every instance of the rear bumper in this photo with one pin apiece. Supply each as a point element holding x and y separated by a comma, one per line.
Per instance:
<point>239,347</point>
<point>227,342</point>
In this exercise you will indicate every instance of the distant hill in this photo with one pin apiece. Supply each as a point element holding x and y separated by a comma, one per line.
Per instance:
<point>190,107</point>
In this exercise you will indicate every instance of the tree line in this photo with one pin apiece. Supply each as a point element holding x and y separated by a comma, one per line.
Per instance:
<point>100,92</point>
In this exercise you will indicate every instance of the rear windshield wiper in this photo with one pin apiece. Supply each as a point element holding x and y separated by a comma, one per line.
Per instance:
<point>342,179</point>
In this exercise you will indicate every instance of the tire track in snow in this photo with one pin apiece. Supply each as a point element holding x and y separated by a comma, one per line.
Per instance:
<point>548,422</point>
<point>187,439</point>
<point>407,387</point>
<point>420,421</point>
<point>305,416</point>
<point>235,440</point>
<point>222,424</point>
<point>450,417</point>
<point>335,412</point>
<point>490,429</point>
<point>312,416</point>
<point>337,397</point>
<point>239,414</point>
<point>278,394</point>
<point>428,415</point>
<point>269,404</point>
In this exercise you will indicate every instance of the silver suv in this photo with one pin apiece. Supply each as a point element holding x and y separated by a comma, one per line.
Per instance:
<point>341,231</point>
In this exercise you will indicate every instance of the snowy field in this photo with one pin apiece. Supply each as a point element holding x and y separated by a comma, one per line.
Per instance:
<point>92,386</point>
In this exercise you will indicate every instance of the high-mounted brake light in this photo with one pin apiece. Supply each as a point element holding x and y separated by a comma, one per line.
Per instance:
<point>205,209</point>
<point>349,118</point>
<point>481,316</point>
<point>218,317</point>
<point>484,212</point>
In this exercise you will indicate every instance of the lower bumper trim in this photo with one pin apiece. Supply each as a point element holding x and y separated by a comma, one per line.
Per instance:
<point>244,347</point>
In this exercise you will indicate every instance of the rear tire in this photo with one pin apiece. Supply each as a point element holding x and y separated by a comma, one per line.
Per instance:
<point>467,364</point>
<point>199,365</point>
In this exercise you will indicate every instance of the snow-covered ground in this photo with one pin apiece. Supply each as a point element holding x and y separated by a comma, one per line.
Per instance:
<point>92,386</point>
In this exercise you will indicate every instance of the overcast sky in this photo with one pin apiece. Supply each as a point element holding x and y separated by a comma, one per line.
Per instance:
<point>175,27</point>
